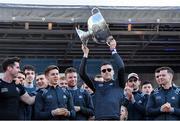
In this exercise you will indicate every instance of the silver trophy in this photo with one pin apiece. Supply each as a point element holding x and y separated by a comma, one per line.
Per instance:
<point>98,30</point>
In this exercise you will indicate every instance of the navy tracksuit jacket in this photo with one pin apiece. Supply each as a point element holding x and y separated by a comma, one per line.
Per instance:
<point>159,97</point>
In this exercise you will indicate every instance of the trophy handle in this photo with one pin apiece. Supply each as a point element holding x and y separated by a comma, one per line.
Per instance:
<point>94,11</point>
<point>84,36</point>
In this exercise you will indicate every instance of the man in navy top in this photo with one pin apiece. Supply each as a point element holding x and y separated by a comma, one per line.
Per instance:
<point>135,100</point>
<point>164,101</point>
<point>108,95</point>
<point>82,99</point>
<point>53,103</point>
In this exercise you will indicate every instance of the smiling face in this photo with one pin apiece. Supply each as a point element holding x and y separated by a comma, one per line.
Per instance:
<point>71,79</point>
<point>41,81</point>
<point>63,83</point>
<point>30,76</point>
<point>20,78</point>
<point>163,77</point>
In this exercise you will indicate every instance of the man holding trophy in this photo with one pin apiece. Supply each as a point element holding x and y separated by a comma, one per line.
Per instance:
<point>108,95</point>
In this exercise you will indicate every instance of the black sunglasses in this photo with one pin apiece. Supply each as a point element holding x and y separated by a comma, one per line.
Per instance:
<point>108,69</point>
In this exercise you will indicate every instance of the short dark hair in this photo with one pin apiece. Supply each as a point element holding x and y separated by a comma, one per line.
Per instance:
<point>146,82</point>
<point>49,68</point>
<point>169,70</point>
<point>9,62</point>
<point>62,78</point>
<point>70,70</point>
<point>22,73</point>
<point>28,67</point>
<point>106,63</point>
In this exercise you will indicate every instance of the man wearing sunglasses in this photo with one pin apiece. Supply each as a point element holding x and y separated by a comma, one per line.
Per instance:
<point>135,100</point>
<point>108,94</point>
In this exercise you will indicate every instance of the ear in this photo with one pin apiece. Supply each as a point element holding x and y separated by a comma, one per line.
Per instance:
<point>9,68</point>
<point>46,76</point>
<point>171,76</point>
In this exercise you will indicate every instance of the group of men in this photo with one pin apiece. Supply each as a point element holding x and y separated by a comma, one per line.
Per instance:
<point>107,97</point>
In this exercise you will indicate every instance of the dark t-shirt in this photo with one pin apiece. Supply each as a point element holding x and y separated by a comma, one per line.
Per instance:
<point>9,99</point>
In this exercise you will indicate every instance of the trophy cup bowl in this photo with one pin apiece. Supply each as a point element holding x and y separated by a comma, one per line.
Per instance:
<point>98,30</point>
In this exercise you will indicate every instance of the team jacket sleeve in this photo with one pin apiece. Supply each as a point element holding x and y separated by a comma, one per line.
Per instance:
<point>22,89</point>
<point>151,110</point>
<point>71,107</point>
<point>39,108</point>
<point>89,109</point>
<point>140,107</point>
<point>121,69</point>
<point>177,108</point>
<point>84,76</point>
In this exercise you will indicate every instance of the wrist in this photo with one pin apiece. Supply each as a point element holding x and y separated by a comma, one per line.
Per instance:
<point>85,55</point>
<point>69,114</point>
<point>172,110</point>
<point>113,50</point>
<point>53,112</point>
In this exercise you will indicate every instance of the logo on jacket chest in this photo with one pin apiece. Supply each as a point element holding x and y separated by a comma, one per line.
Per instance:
<point>80,97</point>
<point>64,96</point>
<point>173,98</point>
<point>139,101</point>
<point>49,96</point>
<point>3,90</point>
<point>158,97</point>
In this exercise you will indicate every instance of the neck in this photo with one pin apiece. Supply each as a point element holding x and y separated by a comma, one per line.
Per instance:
<point>7,77</point>
<point>53,85</point>
<point>72,88</point>
<point>107,80</point>
<point>28,85</point>
<point>167,86</point>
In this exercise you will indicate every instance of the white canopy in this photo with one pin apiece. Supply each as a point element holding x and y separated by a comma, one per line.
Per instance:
<point>97,2</point>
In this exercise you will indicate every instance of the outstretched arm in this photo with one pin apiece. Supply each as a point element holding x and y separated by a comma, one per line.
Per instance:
<point>82,70</point>
<point>118,60</point>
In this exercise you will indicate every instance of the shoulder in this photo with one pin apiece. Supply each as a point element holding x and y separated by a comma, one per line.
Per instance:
<point>156,91</point>
<point>43,91</point>
<point>66,92</point>
<point>142,94</point>
<point>1,82</point>
<point>177,90</point>
<point>83,92</point>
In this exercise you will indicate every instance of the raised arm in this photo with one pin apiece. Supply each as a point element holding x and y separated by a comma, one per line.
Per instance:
<point>82,69</point>
<point>118,61</point>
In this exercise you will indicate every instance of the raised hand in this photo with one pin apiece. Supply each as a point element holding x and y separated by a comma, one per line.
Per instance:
<point>111,42</point>
<point>85,50</point>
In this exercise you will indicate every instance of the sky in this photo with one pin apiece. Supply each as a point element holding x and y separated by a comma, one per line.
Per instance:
<point>98,2</point>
